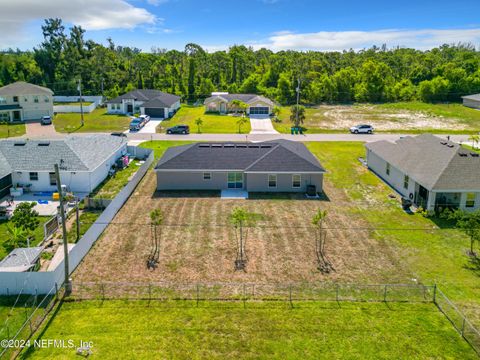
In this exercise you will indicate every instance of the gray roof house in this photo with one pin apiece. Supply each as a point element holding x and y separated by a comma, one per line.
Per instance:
<point>21,101</point>
<point>154,103</point>
<point>433,172</point>
<point>21,259</point>
<point>273,166</point>
<point>84,162</point>
<point>258,105</point>
<point>472,101</point>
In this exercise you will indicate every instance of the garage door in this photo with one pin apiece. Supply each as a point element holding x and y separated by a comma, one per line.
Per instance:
<point>5,185</point>
<point>155,112</point>
<point>259,110</point>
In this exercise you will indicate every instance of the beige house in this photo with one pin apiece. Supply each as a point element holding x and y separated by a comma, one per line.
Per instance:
<point>22,101</point>
<point>258,105</point>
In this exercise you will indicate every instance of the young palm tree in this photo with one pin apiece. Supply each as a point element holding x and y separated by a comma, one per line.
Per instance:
<point>297,115</point>
<point>474,139</point>
<point>16,236</point>
<point>199,123</point>
<point>240,122</point>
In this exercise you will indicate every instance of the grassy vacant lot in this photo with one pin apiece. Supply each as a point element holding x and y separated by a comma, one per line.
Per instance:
<point>180,330</point>
<point>38,236</point>
<point>212,123</point>
<point>12,130</point>
<point>409,117</point>
<point>96,121</point>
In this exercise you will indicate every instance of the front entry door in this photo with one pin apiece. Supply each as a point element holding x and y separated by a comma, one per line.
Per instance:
<point>130,108</point>
<point>235,180</point>
<point>16,116</point>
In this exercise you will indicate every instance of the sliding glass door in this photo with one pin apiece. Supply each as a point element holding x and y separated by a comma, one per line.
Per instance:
<point>235,180</point>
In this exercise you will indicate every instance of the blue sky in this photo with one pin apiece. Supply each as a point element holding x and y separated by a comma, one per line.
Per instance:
<point>276,24</point>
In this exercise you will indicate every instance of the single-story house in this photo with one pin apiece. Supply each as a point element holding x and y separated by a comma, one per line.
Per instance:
<point>22,101</point>
<point>472,101</point>
<point>432,172</point>
<point>84,162</point>
<point>154,103</point>
<point>258,105</point>
<point>21,259</point>
<point>273,166</point>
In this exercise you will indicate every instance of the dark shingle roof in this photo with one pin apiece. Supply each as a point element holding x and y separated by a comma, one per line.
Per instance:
<point>255,157</point>
<point>151,98</point>
<point>246,98</point>
<point>434,163</point>
<point>24,88</point>
<point>74,153</point>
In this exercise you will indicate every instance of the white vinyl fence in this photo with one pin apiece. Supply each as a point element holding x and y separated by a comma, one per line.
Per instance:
<point>42,282</point>
<point>95,101</point>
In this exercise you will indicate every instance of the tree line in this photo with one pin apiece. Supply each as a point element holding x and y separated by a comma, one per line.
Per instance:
<point>377,74</point>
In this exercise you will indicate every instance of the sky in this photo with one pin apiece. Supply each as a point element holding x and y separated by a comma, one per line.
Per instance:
<point>273,24</point>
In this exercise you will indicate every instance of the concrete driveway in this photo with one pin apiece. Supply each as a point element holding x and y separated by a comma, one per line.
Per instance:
<point>262,125</point>
<point>151,127</point>
<point>36,130</point>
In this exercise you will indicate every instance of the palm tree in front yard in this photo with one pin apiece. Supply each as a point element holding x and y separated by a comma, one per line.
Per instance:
<point>240,122</point>
<point>474,139</point>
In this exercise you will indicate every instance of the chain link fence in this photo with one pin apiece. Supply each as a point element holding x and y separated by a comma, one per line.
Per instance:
<point>23,316</point>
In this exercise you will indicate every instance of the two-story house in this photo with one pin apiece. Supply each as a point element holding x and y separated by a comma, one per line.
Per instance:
<point>22,101</point>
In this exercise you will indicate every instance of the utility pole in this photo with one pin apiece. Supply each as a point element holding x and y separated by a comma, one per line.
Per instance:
<point>81,99</point>
<point>101,85</point>
<point>68,285</point>
<point>298,100</point>
<point>77,215</point>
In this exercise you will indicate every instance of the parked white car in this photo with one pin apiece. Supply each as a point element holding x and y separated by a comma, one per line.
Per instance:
<point>362,129</point>
<point>145,118</point>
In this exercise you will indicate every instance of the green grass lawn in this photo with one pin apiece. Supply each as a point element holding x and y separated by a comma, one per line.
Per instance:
<point>112,185</point>
<point>12,130</point>
<point>96,121</point>
<point>268,330</point>
<point>87,218</point>
<point>159,147</point>
<point>434,255</point>
<point>212,123</point>
<point>37,235</point>
<point>401,117</point>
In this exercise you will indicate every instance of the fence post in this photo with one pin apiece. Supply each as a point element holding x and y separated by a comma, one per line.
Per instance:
<point>149,293</point>
<point>463,326</point>
<point>435,293</point>
<point>253,291</point>
<point>385,293</point>
<point>244,295</point>
<point>290,295</point>
<point>336,291</point>
<point>198,294</point>
<point>102,287</point>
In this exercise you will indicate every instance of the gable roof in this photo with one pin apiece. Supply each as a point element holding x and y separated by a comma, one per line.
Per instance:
<point>246,98</point>
<point>475,97</point>
<point>24,88</point>
<point>151,98</point>
<point>20,259</point>
<point>74,153</point>
<point>434,163</point>
<point>274,156</point>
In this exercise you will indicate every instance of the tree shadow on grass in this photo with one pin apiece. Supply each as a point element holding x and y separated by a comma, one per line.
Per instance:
<point>473,265</point>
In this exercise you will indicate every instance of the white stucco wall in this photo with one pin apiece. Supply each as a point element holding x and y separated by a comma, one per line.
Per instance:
<point>471,103</point>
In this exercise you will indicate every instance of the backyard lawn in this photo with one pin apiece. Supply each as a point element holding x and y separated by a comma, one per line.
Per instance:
<point>181,330</point>
<point>159,147</point>
<point>96,121</point>
<point>11,130</point>
<point>112,185</point>
<point>212,123</point>
<point>38,235</point>
<point>402,117</point>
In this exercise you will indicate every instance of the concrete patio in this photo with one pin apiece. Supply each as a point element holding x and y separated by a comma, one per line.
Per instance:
<point>45,206</point>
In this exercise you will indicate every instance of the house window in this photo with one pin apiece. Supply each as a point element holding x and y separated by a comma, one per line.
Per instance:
<point>53,179</point>
<point>34,176</point>
<point>3,100</point>
<point>296,181</point>
<point>207,176</point>
<point>47,99</point>
<point>470,200</point>
<point>387,169</point>
<point>15,99</point>
<point>25,99</point>
<point>272,181</point>
<point>406,180</point>
<point>35,99</point>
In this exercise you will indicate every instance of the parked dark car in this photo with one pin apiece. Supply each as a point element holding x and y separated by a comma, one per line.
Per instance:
<point>136,124</point>
<point>119,134</point>
<point>179,129</point>
<point>46,120</point>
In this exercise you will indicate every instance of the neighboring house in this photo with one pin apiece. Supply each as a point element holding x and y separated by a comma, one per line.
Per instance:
<point>22,101</point>
<point>472,101</point>
<point>258,105</point>
<point>432,172</point>
<point>21,259</point>
<point>154,103</point>
<point>84,162</point>
<point>276,166</point>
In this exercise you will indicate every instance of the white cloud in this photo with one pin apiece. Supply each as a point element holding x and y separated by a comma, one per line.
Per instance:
<point>90,14</point>
<point>422,39</point>
<point>156,2</point>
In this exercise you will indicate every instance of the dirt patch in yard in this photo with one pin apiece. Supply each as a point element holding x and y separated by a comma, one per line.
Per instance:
<point>344,117</point>
<point>198,244</point>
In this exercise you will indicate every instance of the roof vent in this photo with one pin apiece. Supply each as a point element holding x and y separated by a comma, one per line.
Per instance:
<point>254,146</point>
<point>204,145</point>
<point>450,145</point>
<point>474,154</point>
<point>229,145</point>
<point>20,143</point>
<point>266,146</point>
<point>217,145</point>
<point>463,154</point>
<point>241,146</point>
<point>44,143</point>
<point>443,142</point>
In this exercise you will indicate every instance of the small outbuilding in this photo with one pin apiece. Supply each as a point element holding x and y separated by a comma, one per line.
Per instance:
<point>273,166</point>
<point>472,101</point>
